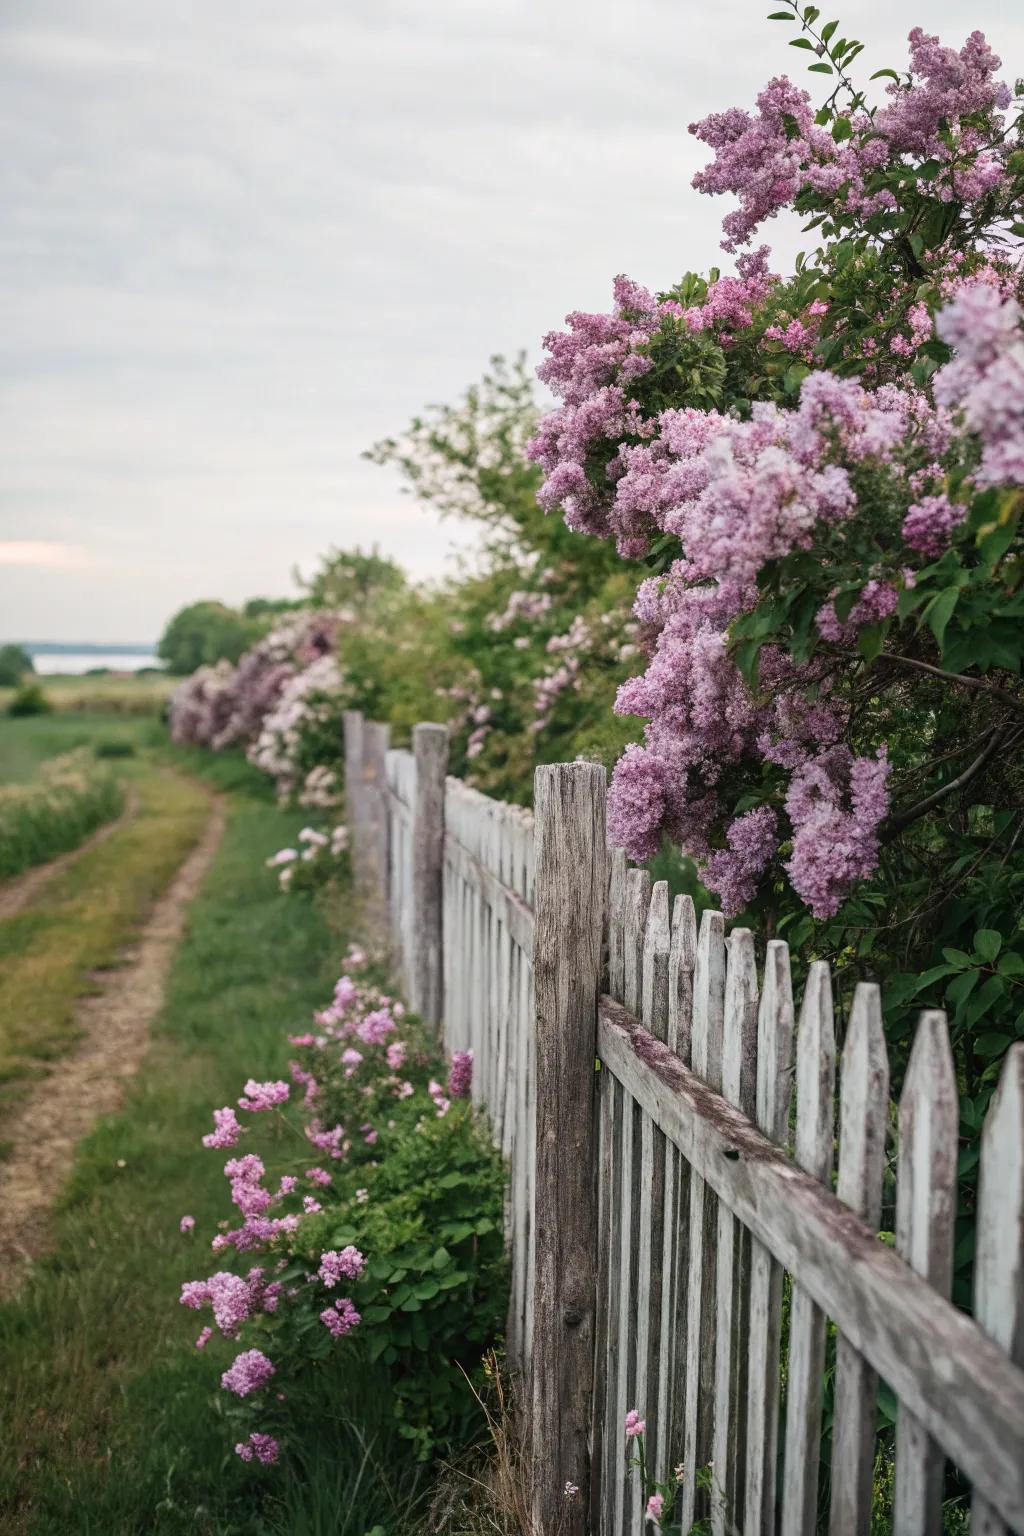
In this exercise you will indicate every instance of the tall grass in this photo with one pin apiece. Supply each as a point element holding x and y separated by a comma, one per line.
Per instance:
<point>71,797</point>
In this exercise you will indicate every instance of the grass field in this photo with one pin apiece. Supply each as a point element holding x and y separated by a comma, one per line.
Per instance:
<point>90,910</point>
<point>24,744</point>
<point>119,694</point>
<point>107,1421</point>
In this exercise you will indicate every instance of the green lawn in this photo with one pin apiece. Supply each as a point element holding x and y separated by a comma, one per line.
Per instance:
<point>24,744</point>
<point>108,1417</point>
<point>86,914</point>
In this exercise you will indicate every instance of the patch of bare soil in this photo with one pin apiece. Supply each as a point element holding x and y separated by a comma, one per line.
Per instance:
<point>18,893</point>
<point>89,1081</point>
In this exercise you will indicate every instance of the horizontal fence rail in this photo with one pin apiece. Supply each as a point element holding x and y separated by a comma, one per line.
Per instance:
<point>693,1228</point>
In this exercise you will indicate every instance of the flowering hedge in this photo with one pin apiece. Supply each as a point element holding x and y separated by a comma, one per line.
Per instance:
<point>823,474</point>
<point>368,1234</point>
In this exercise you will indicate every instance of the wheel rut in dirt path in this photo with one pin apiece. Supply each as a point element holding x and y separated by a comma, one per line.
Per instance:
<point>21,891</point>
<point>43,1131</point>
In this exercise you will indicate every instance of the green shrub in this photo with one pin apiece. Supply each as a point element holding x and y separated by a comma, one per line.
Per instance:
<point>400,1234</point>
<point>15,662</point>
<point>29,700</point>
<point>114,746</point>
<point>68,800</point>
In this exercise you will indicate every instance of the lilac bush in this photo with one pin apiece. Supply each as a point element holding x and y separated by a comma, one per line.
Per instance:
<point>796,477</point>
<point>368,1228</point>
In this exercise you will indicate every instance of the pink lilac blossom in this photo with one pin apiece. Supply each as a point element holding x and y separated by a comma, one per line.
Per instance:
<point>836,803</point>
<point>346,1264</point>
<point>952,86</point>
<point>350,1060</point>
<point>437,1094</point>
<point>985,380</point>
<point>226,1129</point>
<point>734,873</point>
<point>877,600</point>
<point>265,1448</point>
<point>460,1074</point>
<point>655,1507</point>
<point>318,1176</point>
<point>396,1054</point>
<point>261,1096</point>
<point>634,1425</point>
<point>249,1371</point>
<point>205,1335</point>
<point>375,1027</point>
<point>929,524</point>
<point>332,1142</point>
<point>341,1318</point>
<point>756,158</point>
<point>767,160</point>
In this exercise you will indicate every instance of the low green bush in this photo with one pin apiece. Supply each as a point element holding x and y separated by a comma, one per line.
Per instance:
<point>115,746</point>
<point>29,700</point>
<point>384,1260</point>
<point>70,797</point>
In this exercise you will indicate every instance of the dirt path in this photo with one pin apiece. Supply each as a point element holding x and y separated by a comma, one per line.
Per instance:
<point>18,893</point>
<point>88,1082</point>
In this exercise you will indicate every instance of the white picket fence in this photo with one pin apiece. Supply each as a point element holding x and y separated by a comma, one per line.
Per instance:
<point>678,1214</point>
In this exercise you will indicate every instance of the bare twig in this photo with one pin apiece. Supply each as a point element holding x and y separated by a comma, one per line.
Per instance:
<point>982,684</point>
<point>903,819</point>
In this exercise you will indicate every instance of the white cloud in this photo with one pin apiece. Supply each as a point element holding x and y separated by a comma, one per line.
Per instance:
<point>48,554</point>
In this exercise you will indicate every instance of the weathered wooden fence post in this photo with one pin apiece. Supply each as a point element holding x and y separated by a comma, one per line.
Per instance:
<point>353,723</point>
<point>430,748</point>
<point>569,901</point>
<point>374,871</point>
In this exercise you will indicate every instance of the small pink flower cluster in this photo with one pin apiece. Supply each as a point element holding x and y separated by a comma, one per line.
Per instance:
<point>341,1318</point>
<point>348,1264</point>
<point>460,1074</point>
<point>264,1447</point>
<point>249,1371</point>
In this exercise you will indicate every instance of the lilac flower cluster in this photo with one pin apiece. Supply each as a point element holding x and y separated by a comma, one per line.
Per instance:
<point>276,691</point>
<point>949,109</point>
<point>985,380</point>
<point>460,1074</point>
<point>250,1371</point>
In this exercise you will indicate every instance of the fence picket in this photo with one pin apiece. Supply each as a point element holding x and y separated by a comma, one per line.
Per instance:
<point>675,1262</point>
<point>863,1117</point>
<point>999,1255</point>
<point>617,869</point>
<point>636,902</point>
<point>707,1040</point>
<point>654,1014</point>
<point>815,1089</point>
<point>739,1068</point>
<point>929,1123</point>
<point>774,1088</point>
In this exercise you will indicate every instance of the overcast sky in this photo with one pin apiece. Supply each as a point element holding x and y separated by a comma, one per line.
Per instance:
<point>241,240</point>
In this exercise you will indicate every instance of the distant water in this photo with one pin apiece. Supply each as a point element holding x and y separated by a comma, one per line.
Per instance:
<point>70,662</point>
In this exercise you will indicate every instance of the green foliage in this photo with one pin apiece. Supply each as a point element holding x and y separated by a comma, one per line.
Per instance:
<point>114,746</point>
<point>354,581</point>
<point>70,798</point>
<point>207,632</point>
<point>433,1294</point>
<point>15,661</point>
<point>29,700</point>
